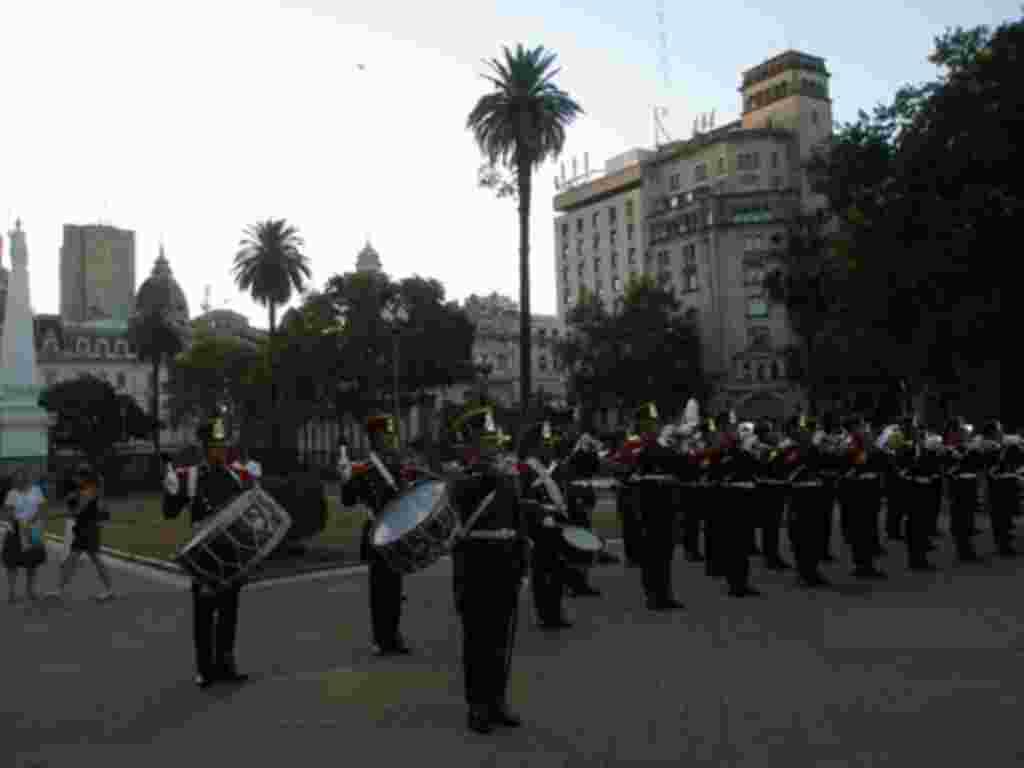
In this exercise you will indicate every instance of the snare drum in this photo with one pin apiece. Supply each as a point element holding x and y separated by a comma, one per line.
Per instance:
<point>413,531</point>
<point>580,546</point>
<point>228,545</point>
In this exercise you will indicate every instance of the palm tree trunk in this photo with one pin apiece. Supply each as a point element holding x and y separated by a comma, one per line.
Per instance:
<point>524,170</point>
<point>155,411</point>
<point>275,428</point>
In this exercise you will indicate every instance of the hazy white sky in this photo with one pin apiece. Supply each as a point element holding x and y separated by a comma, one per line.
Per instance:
<point>186,121</point>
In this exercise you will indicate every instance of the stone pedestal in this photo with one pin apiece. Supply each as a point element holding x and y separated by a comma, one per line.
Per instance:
<point>24,426</point>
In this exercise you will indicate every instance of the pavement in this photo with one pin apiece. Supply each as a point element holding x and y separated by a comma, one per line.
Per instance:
<point>923,669</point>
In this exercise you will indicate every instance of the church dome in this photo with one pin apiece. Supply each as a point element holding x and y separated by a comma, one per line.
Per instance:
<point>160,292</point>
<point>368,259</point>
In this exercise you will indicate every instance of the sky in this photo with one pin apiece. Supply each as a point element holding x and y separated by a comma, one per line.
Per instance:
<point>188,121</point>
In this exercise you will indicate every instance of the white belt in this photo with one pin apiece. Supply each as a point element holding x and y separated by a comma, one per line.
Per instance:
<point>502,534</point>
<point>657,478</point>
<point>583,484</point>
<point>740,485</point>
<point>966,476</point>
<point>771,482</point>
<point>867,476</point>
<point>808,485</point>
<point>924,480</point>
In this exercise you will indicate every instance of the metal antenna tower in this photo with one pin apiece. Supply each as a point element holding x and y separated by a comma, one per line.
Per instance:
<point>663,64</point>
<point>205,306</point>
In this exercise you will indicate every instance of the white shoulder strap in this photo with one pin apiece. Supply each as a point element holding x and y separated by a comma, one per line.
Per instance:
<point>383,470</point>
<point>461,531</point>
<point>193,481</point>
<point>549,484</point>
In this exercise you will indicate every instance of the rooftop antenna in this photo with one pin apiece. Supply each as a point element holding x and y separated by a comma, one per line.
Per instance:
<point>663,64</point>
<point>205,306</point>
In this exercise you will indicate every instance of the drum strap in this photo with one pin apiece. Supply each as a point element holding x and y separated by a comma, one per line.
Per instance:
<point>549,484</point>
<point>461,531</point>
<point>383,470</point>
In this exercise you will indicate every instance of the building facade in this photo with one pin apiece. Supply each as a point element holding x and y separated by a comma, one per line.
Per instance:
<point>705,216</point>
<point>97,273</point>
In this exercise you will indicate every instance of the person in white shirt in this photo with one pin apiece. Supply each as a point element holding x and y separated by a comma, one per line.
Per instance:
<point>24,546</point>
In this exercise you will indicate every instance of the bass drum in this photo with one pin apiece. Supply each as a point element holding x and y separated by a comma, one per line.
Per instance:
<point>230,544</point>
<point>580,546</point>
<point>414,531</point>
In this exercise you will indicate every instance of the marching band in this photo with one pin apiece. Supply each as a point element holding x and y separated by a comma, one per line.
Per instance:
<point>507,513</point>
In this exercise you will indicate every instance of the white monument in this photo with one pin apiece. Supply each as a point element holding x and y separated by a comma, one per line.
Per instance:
<point>24,426</point>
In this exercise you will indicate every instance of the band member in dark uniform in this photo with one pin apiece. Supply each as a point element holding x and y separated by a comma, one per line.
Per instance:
<point>860,503</point>
<point>629,512</point>
<point>376,483</point>
<point>811,498</point>
<point>1004,485</point>
<point>655,476</point>
<point>923,476</point>
<point>543,506</point>
<point>963,501</point>
<point>739,502</point>
<point>771,507</point>
<point>579,464</point>
<point>489,562</point>
<point>208,488</point>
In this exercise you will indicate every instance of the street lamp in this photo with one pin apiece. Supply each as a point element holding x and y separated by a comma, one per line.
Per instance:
<point>395,314</point>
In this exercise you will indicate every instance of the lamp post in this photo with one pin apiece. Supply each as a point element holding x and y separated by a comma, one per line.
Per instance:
<point>395,314</point>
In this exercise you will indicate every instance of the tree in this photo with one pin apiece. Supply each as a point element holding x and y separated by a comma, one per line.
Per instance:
<point>521,123</point>
<point>157,340</point>
<point>93,418</point>
<point>270,266</point>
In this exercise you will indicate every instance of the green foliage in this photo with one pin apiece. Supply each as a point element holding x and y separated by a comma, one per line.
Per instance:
<point>92,417</point>
<point>216,371</point>
<point>157,340</point>
<point>643,350</point>
<point>270,265</point>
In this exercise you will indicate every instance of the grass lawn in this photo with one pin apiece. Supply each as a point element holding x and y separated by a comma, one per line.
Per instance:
<point>137,526</point>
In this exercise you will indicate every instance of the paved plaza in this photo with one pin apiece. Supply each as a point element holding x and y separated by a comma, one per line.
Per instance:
<point>924,669</point>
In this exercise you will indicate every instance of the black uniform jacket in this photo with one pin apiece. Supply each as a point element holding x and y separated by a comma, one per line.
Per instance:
<point>374,490</point>
<point>215,487</point>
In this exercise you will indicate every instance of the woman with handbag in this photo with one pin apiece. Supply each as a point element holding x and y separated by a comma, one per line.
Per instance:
<point>24,546</point>
<point>85,535</point>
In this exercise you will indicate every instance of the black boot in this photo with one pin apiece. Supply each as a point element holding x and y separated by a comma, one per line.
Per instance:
<point>501,716</point>
<point>227,672</point>
<point>480,721</point>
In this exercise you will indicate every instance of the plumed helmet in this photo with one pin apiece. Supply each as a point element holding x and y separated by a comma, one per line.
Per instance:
<point>211,433</point>
<point>380,423</point>
<point>648,412</point>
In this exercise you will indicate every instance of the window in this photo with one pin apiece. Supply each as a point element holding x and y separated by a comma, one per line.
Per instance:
<point>721,166</point>
<point>579,225</point>
<point>611,237</point>
<point>814,116</point>
<point>579,247</point>
<point>629,210</point>
<point>565,229</point>
<point>673,182</point>
<point>629,231</point>
<point>759,336</point>
<point>662,258</point>
<point>122,381</point>
<point>776,370</point>
<point>51,378</point>
<point>631,257</point>
<point>611,215</point>
<point>777,182</point>
<point>565,296</point>
<point>565,249</point>
<point>82,346</point>
<point>579,269</point>
<point>597,240</point>
<point>593,219</point>
<point>689,267</point>
<point>615,260</point>
<point>748,161</point>
<point>757,309</point>
<point>751,215</point>
<point>648,259</point>
<point>502,362</point>
<point>700,172</point>
<point>617,284</point>
<point>775,159</point>
<point>597,264</point>
<point>598,285</point>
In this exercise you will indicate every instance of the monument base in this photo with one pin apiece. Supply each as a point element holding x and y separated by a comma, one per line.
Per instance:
<point>24,434</point>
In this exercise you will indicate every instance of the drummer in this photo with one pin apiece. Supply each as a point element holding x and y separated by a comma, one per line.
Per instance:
<point>544,508</point>
<point>381,480</point>
<point>489,563</point>
<point>208,488</point>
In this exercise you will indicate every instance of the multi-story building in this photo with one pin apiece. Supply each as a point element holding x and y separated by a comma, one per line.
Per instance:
<point>707,214</point>
<point>97,273</point>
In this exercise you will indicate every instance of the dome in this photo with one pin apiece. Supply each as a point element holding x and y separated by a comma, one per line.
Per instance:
<point>160,292</point>
<point>368,259</point>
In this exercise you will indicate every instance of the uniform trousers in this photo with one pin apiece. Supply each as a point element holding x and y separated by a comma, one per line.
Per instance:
<point>214,628</point>
<point>963,509</point>
<point>860,501</point>
<point>659,527</point>
<point>770,508</point>
<point>1005,502</point>
<point>713,497</point>
<point>385,602</point>
<point>546,575</point>
<point>735,530</point>
<point>826,542</point>
<point>691,507</point>
<point>487,582</point>
<point>810,513</point>
<point>629,517</point>
<point>922,496</point>
<point>895,507</point>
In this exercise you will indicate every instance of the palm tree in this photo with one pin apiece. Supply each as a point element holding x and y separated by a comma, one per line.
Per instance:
<point>157,341</point>
<point>271,267</point>
<point>522,123</point>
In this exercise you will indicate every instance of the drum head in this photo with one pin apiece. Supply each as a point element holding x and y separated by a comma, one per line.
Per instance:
<point>582,539</point>
<point>408,511</point>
